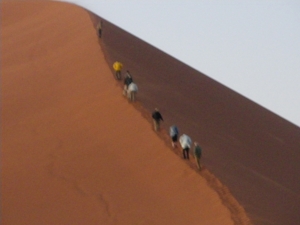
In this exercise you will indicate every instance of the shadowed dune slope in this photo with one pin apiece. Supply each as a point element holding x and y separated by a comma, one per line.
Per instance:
<point>73,150</point>
<point>253,151</point>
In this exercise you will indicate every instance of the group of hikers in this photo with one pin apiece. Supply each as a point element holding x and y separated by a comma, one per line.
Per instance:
<point>184,140</point>
<point>130,90</point>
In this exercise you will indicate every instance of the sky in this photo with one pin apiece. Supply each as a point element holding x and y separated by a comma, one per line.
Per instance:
<point>250,46</point>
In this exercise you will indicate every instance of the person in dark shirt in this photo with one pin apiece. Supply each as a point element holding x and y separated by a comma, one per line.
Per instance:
<point>197,154</point>
<point>128,78</point>
<point>157,117</point>
<point>127,81</point>
<point>99,29</point>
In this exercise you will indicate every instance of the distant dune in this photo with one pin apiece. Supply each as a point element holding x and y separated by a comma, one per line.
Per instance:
<point>254,152</point>
<point>75,151</point>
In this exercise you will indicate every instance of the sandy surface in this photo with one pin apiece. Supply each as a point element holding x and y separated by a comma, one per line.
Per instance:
<point>254,152</point>
<point>74,151</point>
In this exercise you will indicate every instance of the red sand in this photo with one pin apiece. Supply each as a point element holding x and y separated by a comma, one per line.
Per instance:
<point>254,152</point>
<point>74,151</point>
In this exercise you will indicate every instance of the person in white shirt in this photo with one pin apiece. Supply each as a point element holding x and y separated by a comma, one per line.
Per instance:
<point>132,91</point>
<point>185,142</point>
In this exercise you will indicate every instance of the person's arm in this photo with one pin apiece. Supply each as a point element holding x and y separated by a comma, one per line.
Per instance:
<point>161,117</point>
<point>195,150</point>
<point>153,115</point>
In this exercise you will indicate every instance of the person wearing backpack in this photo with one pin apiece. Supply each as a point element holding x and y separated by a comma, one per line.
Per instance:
<point>174,135</point>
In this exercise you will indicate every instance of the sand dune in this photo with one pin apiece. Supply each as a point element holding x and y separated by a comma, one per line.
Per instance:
<point>74,151</point>
<point>254,152</point>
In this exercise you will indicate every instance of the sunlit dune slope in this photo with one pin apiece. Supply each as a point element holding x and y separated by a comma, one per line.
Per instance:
<point>73,150</point>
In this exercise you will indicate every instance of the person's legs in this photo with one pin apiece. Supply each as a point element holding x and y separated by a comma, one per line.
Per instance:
<point>183,153</point>
<point>118,74</point>
<point>128,94</point>
<point>156,125</point>
<point>187,153</point>
<point>174,140</point>
<point>198,162</point>
<point>132,97</point>
<point>173,144</point>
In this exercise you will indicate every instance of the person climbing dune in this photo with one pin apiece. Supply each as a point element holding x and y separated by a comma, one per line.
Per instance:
<point>185,142</point>
<point>118,67</point>
<point>99,29</point>
<point>127,81</point>
<point>157,117</point>
<point>174,135</point>
<point>132,91</point>
<point>197,154</point>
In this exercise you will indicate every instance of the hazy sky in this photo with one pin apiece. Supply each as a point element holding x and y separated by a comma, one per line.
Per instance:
<point>253,47</point>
